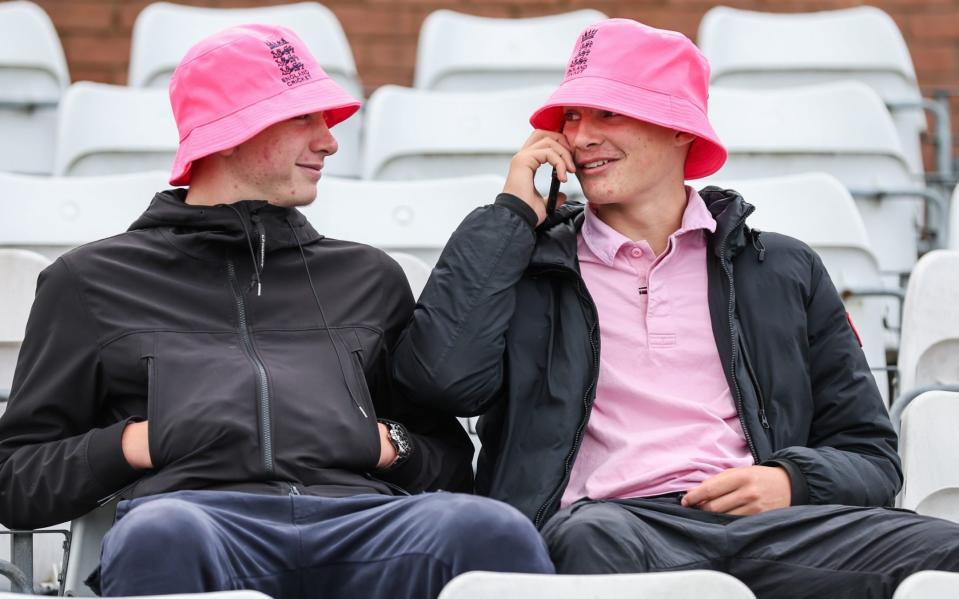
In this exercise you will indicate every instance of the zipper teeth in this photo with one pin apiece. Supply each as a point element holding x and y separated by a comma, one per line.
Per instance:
<point>732,337</point>
<point>263,388</point>
<point>537,520</point>
<point>755,381</point>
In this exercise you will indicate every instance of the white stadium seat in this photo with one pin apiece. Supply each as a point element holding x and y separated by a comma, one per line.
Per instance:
<point>163,32</point>
<point>460,52</point>
<point>111,129</point>
<point>839,128</point>
<point>51,215</point>
<point>414,217</point>
<point>417,272</point>
<point>702,584</point>
<point>795,205</point>
<point>929,445</point>
<point>33,75</point>
<point>773,50</point>
<point>928,585</point>
<point>423,134</point>
<point>929,350</point>
<point>18,279</point>
<point>19,270</point>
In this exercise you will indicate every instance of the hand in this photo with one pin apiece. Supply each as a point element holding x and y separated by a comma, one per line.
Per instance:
<point>742,491</point>
<point>387,451</point>
<point>135,444</point>
<point>541,147</point>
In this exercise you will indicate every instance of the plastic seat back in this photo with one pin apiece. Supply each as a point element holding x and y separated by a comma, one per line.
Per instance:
<point>706,584</point>
<point>928,585</point>
<point>417,272</point>
<point>750,49</point>
<point>930,323</point>
<point>839,128</point>
<point>110,129</point>
<point>19,270</point>
<point>414,217</point>
<point>51,215</point>
<point>420,134</point>
<point>33,76</point>
<point>927,444</point>
<point>460,52</point>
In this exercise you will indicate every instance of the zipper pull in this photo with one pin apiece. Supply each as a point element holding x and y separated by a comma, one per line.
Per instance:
<point>762,417</point>
<point>293,490</point>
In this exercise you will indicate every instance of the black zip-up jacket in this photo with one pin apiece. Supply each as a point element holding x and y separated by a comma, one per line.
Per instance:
<point>203,321</point>
<point>506,328</point>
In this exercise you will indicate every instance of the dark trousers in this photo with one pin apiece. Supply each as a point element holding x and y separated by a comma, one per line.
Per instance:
<point>797,552</point>
<point>368,546</point>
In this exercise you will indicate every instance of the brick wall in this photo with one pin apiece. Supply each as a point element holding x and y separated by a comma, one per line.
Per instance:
<point>383,33</point>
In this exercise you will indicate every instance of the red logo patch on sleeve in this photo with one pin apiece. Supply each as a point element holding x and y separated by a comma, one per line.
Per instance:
<point>853,327</point>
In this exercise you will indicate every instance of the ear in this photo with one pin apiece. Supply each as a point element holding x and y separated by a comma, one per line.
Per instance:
<point>681,138</point>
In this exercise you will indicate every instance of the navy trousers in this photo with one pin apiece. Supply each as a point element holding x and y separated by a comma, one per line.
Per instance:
<point>369,546</point>
<point>815,552</point>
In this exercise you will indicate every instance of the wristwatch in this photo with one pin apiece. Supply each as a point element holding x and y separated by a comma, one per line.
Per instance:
<point>400,440</point>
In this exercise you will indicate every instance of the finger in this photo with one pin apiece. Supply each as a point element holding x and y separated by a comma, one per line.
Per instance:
<point>725,504</point>
<point>711,488</point>
<point>745,510</point>
<point>560,199</point>
<point>554,158</point>
<point>561,148</point>
<point>539,135</point>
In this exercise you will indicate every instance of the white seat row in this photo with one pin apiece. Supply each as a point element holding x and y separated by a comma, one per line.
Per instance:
<point>757,50</point>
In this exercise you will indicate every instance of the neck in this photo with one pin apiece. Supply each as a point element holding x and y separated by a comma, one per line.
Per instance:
<point>652,217</point>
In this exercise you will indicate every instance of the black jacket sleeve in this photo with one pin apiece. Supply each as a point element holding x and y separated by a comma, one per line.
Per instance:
<point>451,356</point>
<point>442,451</point>
<point>851,456</point>
<point>55,464</point>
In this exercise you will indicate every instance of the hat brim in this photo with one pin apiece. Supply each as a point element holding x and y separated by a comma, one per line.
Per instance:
<point>706,155</point>
<point>322,95</point>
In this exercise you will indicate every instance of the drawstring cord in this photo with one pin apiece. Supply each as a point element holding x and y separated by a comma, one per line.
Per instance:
<point>249,242</point>
<point>316,298</point>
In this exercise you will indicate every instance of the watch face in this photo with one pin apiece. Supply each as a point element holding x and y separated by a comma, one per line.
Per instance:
<point>400,440</point>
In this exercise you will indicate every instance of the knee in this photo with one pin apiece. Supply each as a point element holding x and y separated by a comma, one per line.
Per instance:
<point>587,536</point>
<point>484,534</point>
<point>157,525</point>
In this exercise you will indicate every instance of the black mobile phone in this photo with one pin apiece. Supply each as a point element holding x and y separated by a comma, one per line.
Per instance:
<point>553,194</point>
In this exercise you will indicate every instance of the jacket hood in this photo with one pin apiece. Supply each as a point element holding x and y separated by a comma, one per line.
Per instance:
<point>730,211</point>
<point>203,230</point>
<point>556,238</point>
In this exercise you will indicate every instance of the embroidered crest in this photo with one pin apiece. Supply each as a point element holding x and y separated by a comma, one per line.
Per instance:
<point>292,69</point>
<point>580,59</point>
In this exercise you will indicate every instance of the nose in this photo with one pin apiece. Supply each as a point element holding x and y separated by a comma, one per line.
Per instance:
<point>323,141</point>
<point>583,133</point>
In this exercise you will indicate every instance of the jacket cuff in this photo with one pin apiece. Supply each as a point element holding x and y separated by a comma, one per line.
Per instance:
<point>518,206</point>
<point>105,456</point>
<point>799,490</point>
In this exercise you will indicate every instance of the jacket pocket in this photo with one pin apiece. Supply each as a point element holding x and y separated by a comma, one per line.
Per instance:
<point>153,416</point>
<point>359,389</point>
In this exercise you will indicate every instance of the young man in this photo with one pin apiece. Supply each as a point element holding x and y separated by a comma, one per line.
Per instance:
<point>662,388</point>
<point>226,370</point>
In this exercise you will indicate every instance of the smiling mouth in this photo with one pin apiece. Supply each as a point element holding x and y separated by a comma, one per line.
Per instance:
<point>587,167</point>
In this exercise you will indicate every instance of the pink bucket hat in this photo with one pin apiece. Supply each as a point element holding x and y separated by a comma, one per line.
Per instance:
<point>648,74</point>
<point>236,83</point>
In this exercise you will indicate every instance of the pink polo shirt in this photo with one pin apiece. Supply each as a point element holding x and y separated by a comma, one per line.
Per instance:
<point>663,419</point>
